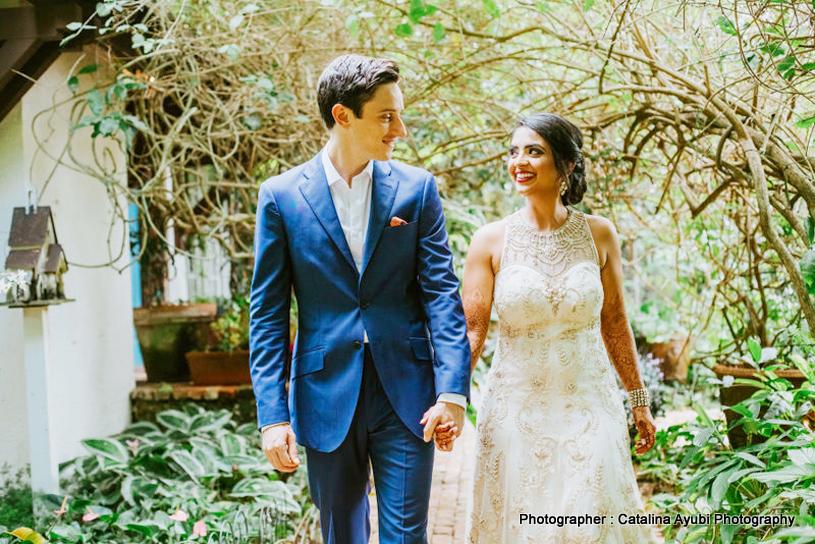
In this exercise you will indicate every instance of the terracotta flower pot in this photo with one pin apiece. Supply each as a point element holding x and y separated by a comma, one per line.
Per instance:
<point>166,333</point>
<point>734,394</point>
<point>219,367</point>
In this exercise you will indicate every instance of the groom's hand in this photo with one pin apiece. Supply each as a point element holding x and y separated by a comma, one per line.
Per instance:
<point>445,420</point>
<point>280,447</point>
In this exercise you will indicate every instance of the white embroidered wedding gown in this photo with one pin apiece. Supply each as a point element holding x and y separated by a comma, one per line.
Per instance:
<point>552,436</point>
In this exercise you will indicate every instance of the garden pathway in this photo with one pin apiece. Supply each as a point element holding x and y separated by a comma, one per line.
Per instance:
<point>452,474</point>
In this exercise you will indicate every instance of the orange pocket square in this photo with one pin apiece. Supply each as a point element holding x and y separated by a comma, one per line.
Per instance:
<point>397,221</point>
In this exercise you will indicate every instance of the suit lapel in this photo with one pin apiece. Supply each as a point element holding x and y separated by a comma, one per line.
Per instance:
<point>383,193</point>
<point>316,192</point>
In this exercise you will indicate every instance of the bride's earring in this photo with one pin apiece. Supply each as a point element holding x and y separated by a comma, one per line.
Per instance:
<point>564,186</point>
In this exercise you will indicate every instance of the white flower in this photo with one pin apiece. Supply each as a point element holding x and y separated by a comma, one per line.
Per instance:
<point>9,279</point>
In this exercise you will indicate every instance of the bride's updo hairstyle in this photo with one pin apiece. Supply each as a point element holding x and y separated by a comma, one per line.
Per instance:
<point>565,140</point>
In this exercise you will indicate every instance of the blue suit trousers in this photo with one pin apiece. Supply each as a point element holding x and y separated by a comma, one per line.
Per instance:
<point>402,465</point>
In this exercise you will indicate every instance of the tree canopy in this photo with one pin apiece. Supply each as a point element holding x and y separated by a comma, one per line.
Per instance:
<point>698,119</point>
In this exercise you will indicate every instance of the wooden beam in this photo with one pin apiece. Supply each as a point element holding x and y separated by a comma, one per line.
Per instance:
<point>14,54</point>
<point>29,43</point>
<point>18,22</point>
<point>46,23</point>
<point>15,85</point>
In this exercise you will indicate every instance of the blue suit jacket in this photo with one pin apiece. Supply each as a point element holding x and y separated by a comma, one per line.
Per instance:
<point>406,297</point>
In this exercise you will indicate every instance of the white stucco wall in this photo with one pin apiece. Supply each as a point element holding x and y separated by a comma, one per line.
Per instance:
<point>14,448</point>
<point>91,363</point>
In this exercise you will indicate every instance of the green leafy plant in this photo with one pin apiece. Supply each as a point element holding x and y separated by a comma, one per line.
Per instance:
<point>771,478</point>
<point>16,500</point>
<point>231,330</point>
<point>661,463</point>
<point>808,258</point>
<point>194,472</point>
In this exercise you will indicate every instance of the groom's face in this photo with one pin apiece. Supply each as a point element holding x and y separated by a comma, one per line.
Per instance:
<point>380,123</point>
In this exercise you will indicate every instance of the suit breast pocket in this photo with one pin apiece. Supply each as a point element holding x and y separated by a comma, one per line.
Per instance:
<point>401,236</point>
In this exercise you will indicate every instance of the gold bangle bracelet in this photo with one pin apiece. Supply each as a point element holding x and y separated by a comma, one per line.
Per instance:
<point>639,397</point>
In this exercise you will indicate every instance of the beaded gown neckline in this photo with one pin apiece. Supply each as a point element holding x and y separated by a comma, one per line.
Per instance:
<point>525,222</point>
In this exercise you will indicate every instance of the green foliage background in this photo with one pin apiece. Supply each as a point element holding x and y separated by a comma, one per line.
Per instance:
<point>698,119</point>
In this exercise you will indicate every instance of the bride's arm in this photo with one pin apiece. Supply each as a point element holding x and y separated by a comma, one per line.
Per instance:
<point>614,326</point>
<point>477,286</point>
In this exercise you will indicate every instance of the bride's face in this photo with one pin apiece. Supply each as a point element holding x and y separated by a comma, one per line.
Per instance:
<point>531,164</point>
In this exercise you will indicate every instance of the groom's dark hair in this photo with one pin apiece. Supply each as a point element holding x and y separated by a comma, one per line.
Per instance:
<point>351,80</point>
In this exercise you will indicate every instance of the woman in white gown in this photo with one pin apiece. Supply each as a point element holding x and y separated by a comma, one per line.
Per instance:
<point>552,438</point>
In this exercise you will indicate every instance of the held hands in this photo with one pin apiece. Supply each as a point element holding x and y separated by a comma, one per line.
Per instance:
<point>645,427</point>
<point>443,422</point>
<point>280,447</point>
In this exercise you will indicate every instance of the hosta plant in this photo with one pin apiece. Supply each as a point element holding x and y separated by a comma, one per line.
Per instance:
<point>193,473</point>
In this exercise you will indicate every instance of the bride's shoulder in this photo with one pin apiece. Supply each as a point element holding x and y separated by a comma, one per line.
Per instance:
<point>604,234</point>
<point>488,238</point>
<point>490,233</point>
<point>486,246</point>
<point>601,227</point>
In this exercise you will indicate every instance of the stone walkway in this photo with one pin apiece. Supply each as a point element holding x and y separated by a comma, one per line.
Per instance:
<point>452,474</point>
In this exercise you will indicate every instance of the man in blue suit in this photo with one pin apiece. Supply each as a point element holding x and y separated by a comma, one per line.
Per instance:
<point>381,363</point>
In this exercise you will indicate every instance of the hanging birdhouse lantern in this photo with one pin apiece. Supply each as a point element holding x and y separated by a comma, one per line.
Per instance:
<point>35,253</point>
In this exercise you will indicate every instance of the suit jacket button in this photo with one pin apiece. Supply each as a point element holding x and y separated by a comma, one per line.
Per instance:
<point>365,305</point>
<point>357,344</point>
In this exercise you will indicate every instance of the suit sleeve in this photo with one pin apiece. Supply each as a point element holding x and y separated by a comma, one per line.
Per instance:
<point>270,302</point>
<point>441,298</point>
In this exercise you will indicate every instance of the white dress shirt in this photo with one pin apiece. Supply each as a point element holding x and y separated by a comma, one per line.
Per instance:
<point>353,205</point>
